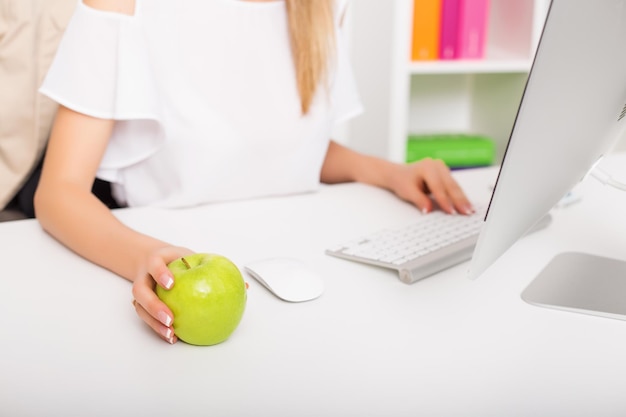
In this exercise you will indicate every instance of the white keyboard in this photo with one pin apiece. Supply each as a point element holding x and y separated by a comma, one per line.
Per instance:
<point>434,242</point>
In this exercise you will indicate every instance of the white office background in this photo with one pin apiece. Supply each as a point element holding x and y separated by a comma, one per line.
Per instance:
<point>369,27</point>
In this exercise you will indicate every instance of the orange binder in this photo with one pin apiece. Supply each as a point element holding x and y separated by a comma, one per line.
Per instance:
<point>426,27</point>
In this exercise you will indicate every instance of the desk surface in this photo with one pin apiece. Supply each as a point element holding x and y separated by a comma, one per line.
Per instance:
<point>370,346</point>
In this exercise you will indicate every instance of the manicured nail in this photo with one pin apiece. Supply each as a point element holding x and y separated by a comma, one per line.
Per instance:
<point>424,210</point>
<point>168,334</point>
<point>165,318</point>
<point>167,281</point>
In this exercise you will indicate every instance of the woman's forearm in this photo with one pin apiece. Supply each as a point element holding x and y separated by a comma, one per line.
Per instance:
<point>82,223</point>
<point>66,208</point>
<point>345,165</point>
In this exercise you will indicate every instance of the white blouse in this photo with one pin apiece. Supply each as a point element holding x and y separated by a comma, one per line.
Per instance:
<point>204,97</point>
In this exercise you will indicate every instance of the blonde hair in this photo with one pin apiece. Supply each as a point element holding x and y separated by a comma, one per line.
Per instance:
<point>311,32</point>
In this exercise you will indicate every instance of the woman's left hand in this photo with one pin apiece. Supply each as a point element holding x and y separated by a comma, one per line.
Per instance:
<point>422,183</point>
<point>428,181</point>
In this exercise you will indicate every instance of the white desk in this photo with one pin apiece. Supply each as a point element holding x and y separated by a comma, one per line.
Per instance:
<point>71,343</point>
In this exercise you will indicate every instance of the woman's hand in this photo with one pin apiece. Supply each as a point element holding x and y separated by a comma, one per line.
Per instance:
<point>419,183</point>
<point>148,306</point>
<point>426,180</point>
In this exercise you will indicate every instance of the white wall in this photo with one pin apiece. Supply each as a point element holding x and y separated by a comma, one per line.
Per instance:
<point>370,39</point>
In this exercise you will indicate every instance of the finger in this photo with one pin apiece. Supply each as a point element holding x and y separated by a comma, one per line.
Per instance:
<point>157,268</point>
<point>446,190</point>
<point>458,198</point>
<point>455,192</point>
<point>436,174</point>
<point>166,333</point>
<point>157,264</point>
<point>408,184</point>
<point>422,201</point>
<point>146,298</point>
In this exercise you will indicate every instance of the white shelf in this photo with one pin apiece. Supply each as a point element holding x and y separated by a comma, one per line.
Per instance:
<point>493,66</point>
<point>403,97</point>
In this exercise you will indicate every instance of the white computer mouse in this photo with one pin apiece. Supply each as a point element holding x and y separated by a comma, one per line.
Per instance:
<point>288,278</point>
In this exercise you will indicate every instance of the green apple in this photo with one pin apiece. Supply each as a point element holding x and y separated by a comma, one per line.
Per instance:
<point>208,298</point>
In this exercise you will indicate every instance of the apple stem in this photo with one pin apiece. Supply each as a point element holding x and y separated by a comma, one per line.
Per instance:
<point>186,263</point>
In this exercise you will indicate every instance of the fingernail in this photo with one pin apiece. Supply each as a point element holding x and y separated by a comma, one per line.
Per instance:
<point>425,210</point>
<point>168,334</point>
<point>167,281</point>
<point>165,318</point>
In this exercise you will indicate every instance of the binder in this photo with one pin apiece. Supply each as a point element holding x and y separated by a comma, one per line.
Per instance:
<point>426,28</point>
<point>449,33</point>
<point>460,150</point>
<point>472,28</point>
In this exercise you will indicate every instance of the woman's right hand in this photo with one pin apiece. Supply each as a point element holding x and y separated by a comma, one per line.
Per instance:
<point>147,304</point>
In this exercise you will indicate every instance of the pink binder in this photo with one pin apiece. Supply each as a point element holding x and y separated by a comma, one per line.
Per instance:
<point>472,28</point>
<point>449,29</point>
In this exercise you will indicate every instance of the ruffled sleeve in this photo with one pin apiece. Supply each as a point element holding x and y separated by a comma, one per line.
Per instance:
<point>101,69</point>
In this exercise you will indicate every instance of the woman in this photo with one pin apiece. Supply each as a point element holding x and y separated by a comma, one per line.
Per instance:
<point>178,103</point>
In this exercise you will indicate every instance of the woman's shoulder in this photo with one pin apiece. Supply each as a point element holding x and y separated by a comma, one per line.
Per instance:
<point>126,7</point>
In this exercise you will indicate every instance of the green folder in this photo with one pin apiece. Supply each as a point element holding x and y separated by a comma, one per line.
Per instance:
<point>456,150</point>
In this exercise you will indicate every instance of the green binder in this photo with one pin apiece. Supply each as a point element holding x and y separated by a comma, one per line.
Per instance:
<point>456,150</point>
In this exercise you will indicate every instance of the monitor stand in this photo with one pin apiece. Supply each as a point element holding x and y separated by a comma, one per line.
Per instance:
<point>581,283</point>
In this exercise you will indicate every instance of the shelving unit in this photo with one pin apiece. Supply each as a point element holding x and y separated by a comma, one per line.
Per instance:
<point>403,97</point>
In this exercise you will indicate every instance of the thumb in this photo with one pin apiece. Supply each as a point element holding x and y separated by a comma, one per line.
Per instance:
<point>157,266</point>
<point>418,198</point>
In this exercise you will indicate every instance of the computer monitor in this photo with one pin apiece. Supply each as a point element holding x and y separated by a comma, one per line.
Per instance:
<point>571,114</point>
